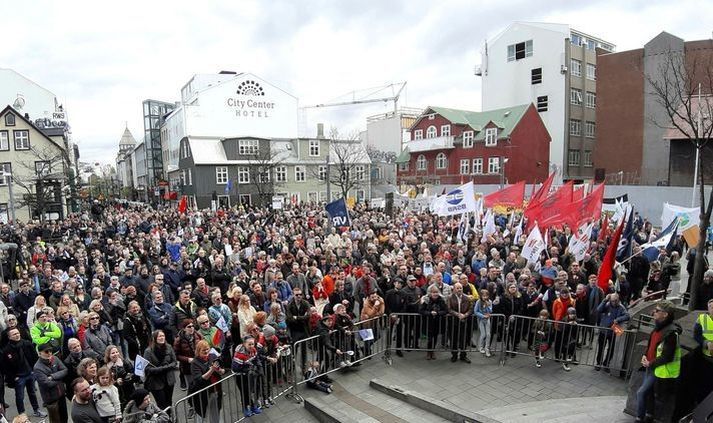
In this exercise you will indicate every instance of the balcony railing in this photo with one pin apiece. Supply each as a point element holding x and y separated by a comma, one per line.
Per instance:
<point>429,144</point>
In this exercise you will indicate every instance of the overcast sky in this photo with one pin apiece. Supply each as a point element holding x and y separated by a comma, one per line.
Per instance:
<point>103,58</point>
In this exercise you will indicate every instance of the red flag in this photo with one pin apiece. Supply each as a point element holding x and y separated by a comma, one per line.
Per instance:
<point>182,205</point>
<point>512,196</point>
<point>543,192</point>
<point>588,208</point>
<point>606,270</point>
<point>578,193</point>
<point>604,230</point>
<point>549,212</point>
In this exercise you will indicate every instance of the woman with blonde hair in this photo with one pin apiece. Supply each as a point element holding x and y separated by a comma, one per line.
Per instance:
<point>246,314</point>
<point>66,301</point>
<point>122,370</point>
<point>40,303</point>
<point>97,307</point>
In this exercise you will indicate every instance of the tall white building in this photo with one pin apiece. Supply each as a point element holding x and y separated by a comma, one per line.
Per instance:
<point>554,67</point>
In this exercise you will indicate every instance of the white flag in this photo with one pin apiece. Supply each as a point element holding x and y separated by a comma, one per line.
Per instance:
<point>220,324</point>
<point>139,366</point>
<point>579,242</point>
<point>518,231</point>
<point>489,227</point>
<point>534,245</point>
<point>457,201</point>
<point>687,216</point>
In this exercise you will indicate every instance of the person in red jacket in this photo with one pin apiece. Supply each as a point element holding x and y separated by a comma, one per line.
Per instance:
<point>559,312</point>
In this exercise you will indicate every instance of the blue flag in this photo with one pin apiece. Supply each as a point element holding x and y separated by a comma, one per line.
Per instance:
<point>665,240</point>
<point>338,213</point>
<point>623,251</point>
<point>228,186</point>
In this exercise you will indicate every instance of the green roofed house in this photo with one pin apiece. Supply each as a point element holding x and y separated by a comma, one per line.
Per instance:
<point>451,146</point>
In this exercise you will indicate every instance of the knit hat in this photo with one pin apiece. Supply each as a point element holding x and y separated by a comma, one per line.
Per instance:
<point>571,310</point>
<point>139,396</point>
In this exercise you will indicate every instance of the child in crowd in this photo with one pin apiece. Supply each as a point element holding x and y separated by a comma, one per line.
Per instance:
<point>569,336</point>
<point>542,330</point>
<point>106,396</point>
<point>321,383</point>
<point>483,309</point>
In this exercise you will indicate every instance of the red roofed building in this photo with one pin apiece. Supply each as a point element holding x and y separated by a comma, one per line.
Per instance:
<point>451,147</point>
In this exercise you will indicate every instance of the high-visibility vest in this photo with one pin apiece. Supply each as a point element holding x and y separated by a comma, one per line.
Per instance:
<point>669,370</point>
<point>706,322</point>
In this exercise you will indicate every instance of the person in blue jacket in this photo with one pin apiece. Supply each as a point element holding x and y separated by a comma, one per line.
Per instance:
<point>611,311</point>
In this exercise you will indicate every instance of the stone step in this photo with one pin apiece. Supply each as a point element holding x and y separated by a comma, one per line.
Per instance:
<point>592,409</point>
<point>330,409</point>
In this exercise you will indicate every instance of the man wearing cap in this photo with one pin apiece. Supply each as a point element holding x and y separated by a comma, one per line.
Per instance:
<point>50,372</point>
<point>662,362</point>
<point>703,334</point>
<point>46,332</point>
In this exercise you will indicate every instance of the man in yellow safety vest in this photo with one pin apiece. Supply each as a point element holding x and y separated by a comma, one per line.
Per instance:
<point>662,362</point>
<point>703,334</point>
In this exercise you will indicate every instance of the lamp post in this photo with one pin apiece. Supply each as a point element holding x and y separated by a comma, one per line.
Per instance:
<point>503,160</point>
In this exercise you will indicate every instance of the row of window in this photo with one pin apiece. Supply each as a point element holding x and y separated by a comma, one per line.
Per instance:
<point>21,139</point>
<point>575,128</point>
<point>590,44</point>
<point>465,164</point>
<point>576,69</point>
<point>249,147</point>
<point>573,158</point>
<point>575,97</point>
<point>491,135</point>
<point>221,174</point>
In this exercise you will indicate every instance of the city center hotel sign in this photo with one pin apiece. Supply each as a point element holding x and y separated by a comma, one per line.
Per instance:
<point>249,101</point>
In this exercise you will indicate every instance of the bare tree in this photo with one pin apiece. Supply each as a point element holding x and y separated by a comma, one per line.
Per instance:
<point>348,162</point>
<point>380,156</point>
<point>683,87</point>
<point>42,180</point>
<point>262,174</point>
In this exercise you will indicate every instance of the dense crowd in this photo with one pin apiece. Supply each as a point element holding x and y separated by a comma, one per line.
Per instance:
<point>202,293</point>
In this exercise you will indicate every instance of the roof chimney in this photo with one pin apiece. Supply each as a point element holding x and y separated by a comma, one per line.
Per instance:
<point>320,130</point>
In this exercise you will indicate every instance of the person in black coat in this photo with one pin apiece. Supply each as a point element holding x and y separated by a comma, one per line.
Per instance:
<point>434,309</point>
<point>206,371</point>
<point>160,375</point>
<point>395,302</point>
<point>510,304</point>
<point>136,330</point>
<point>16,363</point>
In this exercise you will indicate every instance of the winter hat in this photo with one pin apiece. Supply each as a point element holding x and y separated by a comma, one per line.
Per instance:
<point>139,396</point>
<point>571,310</point>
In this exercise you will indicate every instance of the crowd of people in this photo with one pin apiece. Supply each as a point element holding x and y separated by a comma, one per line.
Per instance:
<point>193,296</point>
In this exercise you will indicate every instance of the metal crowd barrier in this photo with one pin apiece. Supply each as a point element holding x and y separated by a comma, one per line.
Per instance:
<point>570,343</point>
<point>363,341</point>
<point>418,332</point>
<point>225,400</point>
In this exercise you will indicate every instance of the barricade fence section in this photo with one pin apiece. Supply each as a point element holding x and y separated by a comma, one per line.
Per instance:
<point>227,399</point>
<point>570,343</point>
<point>314,358</point>
<point>447,333</point>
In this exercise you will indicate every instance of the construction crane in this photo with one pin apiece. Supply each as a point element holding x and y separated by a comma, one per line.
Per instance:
<point>363,96</point>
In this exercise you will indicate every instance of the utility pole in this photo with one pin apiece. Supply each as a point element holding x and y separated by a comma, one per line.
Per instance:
<point>329,190</point>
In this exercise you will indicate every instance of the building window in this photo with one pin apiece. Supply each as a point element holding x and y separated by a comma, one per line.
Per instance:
<point>573,158</point>
<point>5,173</point>
<point>575,96</point>
<point>4,141</point>
<point>300,174</point>
<point>520,50</point>
<point>42,168</point>
<point>587,158</point>
<point>536,77</point>
<point>468,137</point>
<point>403,166</point>
<point>576,67</point>
<point>264,176</point>
<point>542,103</point>
<point>431,132</point>
<point>591,45</point>
<point>590,129</point>
<point>9,119</point>
<point>576,40</point>
<point>322,173</point>
<point>245,199</point>
<point>421,162</point>
<point>477,166</point>
<point>591,72</point>
<point>312,197</point>
<point>591,100</point>
<point>491,137</point>
<point>314,148</point>
<point>575,127</point>
<point>22,140</point>
<point>189,175</point>
<point>418,134</point>
<point>445,130</point>
<point>441,161</point>
<point>221,175</point>
<point>464,166</point>
<point>247,147</point>
<point>359,172</point>
<point>281,173</point>
<point>360,195</point>
<point>243,175</point>
<point>431,116</point>
<point>494,165</point>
